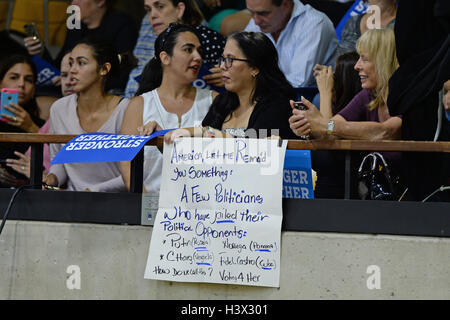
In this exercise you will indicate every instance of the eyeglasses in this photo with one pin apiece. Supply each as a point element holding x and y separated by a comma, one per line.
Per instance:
<point>229,61</point>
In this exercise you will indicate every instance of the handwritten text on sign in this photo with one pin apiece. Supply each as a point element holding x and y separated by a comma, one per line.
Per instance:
<point>219,217</point>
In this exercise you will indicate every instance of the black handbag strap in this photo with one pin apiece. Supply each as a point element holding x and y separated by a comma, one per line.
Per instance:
<point>376,157</point>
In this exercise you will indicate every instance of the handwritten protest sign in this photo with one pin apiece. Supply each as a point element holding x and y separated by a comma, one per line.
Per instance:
<point>219,217</point>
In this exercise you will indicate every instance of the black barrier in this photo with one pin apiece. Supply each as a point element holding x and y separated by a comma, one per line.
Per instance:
<point>319,215</point>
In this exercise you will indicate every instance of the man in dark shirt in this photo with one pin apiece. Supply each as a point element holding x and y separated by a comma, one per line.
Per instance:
<point>423,51</point>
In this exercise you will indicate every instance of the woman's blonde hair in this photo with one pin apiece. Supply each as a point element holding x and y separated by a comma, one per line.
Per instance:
<point>379,47</point>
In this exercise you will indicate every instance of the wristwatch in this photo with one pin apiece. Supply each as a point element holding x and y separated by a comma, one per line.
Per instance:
<point>330,127</point>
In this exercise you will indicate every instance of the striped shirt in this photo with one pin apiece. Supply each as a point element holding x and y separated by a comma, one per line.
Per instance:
<point>308,38</point>
<point>143,51</point>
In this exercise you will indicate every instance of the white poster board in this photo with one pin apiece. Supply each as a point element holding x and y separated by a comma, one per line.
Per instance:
<point>220,212</point>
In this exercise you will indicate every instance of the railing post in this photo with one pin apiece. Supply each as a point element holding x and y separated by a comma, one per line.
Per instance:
<point>137,172</point>
<point>36,165</point>
<point>348,174</point>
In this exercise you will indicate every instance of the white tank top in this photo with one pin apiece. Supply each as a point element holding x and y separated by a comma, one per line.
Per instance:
<point>154,111</point>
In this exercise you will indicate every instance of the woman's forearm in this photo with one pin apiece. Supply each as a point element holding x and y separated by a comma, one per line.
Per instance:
<point>326,105</point>
<point>367,130</point>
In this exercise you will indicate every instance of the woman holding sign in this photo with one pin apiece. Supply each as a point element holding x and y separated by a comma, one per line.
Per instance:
<point>171,101</point>
<point>92,63</point>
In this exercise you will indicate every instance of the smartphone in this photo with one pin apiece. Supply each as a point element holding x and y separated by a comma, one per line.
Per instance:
<point>300,106</point>
<point>31,30</point>
<point>8,96</point>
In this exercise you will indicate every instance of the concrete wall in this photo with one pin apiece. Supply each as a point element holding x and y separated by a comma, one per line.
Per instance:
<point>34,257</point>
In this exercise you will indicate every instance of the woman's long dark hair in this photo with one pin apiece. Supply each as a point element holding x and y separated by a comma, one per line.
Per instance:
<point>346,80</point>
<point>270,81</point>
<point>104,52</point>
<point>192,14</point>
<point>7,62</point>
<point>151,76</point>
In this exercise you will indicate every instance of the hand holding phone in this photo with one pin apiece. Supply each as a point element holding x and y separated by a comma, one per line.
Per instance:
<point>8,96</point>
<point>300,106</point>
<point>31,31</point>
<point>32,41</point>
<point>303,107</point>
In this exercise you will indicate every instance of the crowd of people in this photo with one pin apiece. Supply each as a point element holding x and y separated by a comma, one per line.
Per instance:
<point>252,58</point>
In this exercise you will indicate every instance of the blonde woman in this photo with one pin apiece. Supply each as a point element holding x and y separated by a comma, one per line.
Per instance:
<point>366,116</point>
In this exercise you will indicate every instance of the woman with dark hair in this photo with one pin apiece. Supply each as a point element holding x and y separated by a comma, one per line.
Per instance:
<point>161,13</point>
<point>257,96</point>
<point>169,100</point>
<point>336,90</point>
<point>18,72</point>
<point>91,109</point>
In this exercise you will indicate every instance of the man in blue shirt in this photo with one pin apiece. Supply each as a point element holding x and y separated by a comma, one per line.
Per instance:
<point>302,35</point>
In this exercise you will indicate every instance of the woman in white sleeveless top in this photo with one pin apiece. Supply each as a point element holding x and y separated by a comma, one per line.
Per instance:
<point>170,101</point>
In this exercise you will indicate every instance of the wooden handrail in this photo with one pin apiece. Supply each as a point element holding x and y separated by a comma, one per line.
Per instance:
<point>360,145</point>
<point>365,145</point>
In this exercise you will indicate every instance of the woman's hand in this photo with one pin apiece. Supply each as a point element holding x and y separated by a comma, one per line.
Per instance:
<point>317,68</point>
<point>325,80</point>
<point>50,180</point>
<point>21,165</point>
<point>148,128</point>
<point>170,136</point>
<point>56,81</point>
<point>34,45</point>
<point>22,118</point>
<point>307,122</point>
<point>446,101</point>
<point>215,78</point>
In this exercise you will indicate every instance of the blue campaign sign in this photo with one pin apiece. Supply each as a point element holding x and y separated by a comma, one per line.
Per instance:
<point>103,147</point>
<point>359,7</point>
<point>46,72</point>
<point>297,175</point>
